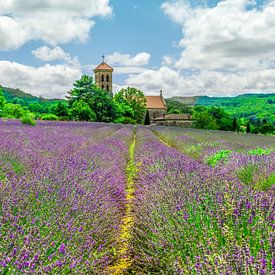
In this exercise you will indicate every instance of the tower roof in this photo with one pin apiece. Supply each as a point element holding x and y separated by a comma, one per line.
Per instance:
<point>104,67</point>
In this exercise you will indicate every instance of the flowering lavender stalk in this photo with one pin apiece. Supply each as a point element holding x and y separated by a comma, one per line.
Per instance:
<point>190,218</point>
<point>62,195</point>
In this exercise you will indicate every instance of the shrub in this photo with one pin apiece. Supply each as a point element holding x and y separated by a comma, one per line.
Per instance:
<point>259,152</point>
<point>13,111</point>
<point>125,120</point>
<point>221,155</point>
<point>49,117</point>
<point>28,120</point>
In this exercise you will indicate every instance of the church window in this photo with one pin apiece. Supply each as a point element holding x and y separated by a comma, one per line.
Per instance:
<point>102,78</point>
<point>102,87</point>
<point>107,78</point>
<point>108,88</point>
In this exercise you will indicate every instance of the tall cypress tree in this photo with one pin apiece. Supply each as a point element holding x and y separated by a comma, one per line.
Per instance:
<point>248,130</point>
<point>235,125</point>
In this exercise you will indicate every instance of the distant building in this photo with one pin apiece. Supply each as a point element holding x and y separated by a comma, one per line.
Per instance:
<point>184,120</point>
<point>104,76</point>
<point>156,107</point>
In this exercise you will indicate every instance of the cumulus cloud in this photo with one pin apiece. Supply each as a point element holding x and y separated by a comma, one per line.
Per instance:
<point>53,22</point>
<point>48,81</point>
<point>167,60</point>
<point>228,36</point>
<point>175,83</point>
<point>227,49</point>
<point>47,54</point>
<point>141,59</point>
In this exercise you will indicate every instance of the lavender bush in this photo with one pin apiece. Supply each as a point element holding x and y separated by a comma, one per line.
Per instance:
<point>62,196</point>
<point>95,198</point>
<point>196,219</point>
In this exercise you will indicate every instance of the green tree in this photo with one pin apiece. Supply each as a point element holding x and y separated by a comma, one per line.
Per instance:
<point>102,104</point>
<point>13,111</point>
<point>61,110</point>
<point>94,100</point>
<point>82,111</point>
<point>147,118</point>
<point>235,125</point>
<point>136,100</point>
<point>2,99</point>
<point>267,128</point>
<point>222,118</point>
<point>248,129</point>
<point>37,107</point>
<point>204,120</point>
<point>176,107</point>
<point>125,113</point>
<point>83,89</point>
<point>17,100</point>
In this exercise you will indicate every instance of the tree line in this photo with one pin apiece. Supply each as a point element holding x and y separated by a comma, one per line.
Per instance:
<point>87,102</point>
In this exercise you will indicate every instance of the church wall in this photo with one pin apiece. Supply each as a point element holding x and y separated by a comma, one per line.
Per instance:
<point>155,113</point>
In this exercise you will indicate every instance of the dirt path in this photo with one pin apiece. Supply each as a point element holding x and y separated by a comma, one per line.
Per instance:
<point>124,260</point>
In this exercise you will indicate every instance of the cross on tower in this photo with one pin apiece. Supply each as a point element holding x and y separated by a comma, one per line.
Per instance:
<point>103,57</point>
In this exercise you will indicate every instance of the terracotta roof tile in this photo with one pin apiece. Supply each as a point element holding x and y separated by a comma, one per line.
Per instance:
<point>155,102</point>
<point>103,66</point>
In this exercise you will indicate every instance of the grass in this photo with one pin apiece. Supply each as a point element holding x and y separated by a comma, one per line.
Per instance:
<point>17,167</point>
<point>265,184</point>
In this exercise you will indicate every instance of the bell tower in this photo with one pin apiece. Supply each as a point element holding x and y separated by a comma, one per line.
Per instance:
<point>104,76</point>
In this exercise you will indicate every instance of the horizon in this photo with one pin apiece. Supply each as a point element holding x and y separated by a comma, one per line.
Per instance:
<point>170,45</point>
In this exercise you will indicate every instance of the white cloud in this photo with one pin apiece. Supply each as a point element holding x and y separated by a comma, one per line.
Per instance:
<point>53,21</point>
<point>175,83</point>
<point>47,54</point>
<point>226,50</point>
<point>179,10</point>
<point>49,81</point>
<point>228,36</point>
<point>128,70</point>
<point>167,60</point>
<point>117,58</point>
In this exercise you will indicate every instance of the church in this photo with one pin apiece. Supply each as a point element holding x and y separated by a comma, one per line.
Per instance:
<point>156,106</point>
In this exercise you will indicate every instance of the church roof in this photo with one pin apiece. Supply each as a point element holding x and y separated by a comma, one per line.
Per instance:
<point>103,66</point>
<point>155,102</point>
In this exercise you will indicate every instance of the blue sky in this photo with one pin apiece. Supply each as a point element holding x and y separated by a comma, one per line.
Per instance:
<point>183,47</point>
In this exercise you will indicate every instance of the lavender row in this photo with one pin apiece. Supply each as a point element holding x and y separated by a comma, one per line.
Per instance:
<point>250,158</point>
<point>192,219</point>
<point>62,194</point>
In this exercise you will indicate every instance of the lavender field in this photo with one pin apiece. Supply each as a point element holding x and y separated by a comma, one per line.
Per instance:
<point>95,198</point>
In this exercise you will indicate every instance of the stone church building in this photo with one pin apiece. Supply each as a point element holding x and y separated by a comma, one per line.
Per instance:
<point>156,106</point>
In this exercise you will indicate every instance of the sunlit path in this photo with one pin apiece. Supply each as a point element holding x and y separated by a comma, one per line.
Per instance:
<point>124,260</point>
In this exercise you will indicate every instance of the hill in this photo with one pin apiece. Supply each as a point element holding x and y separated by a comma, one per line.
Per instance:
<point>11,94</point>
<point>248,105</point>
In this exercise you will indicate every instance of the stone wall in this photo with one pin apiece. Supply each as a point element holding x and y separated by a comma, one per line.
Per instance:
<point>182,123</point>
<point>155,113</point>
